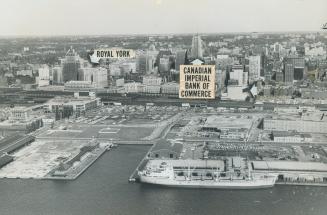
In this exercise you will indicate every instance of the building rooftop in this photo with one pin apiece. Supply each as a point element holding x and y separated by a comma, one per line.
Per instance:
<point>290,134</point>
<point>227,122</point>
<point>164,144</point>
<point>61,100</point>
<point>294,114</point>
<point>21,108</point>
<point>289,166</point>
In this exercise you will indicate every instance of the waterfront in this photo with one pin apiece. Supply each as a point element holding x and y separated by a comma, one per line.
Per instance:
<point>103,189</point>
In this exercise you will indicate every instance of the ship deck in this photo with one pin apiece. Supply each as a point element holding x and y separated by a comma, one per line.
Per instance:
<point>213,164</point>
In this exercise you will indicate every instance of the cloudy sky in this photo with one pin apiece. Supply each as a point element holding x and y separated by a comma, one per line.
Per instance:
<point>79,17</point>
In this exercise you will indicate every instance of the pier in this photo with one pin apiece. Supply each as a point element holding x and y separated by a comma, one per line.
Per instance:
<point>143,162</point>
<point>75,171</point>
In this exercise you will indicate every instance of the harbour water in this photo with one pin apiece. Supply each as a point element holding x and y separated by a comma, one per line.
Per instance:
<point>104,189</point>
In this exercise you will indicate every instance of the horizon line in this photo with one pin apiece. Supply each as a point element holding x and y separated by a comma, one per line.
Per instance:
<point>160,34</point>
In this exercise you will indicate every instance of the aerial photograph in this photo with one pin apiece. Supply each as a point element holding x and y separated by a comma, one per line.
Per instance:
<point>163,107</point>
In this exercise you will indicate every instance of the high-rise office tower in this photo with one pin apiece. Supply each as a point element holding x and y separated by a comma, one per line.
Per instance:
<point>145,63</point>
<point>223,61</point>
<point>237,74</point>
<point>97,76</point>
<point>288,72</point>
<point>254,68</point>
<point>298,63</point>
<point>164,64</point>
<point>277,47</point>
<point>279,76</point>
<point>294,69</point>
<point>180,59</point>
<point>141,66</point>
<point>197,48</point>
<point>150,62</point>
<point>162,54</point>
<point>57,75</point>
<point>70,66</point>
<point>220,81</point>
<point>245,78</point>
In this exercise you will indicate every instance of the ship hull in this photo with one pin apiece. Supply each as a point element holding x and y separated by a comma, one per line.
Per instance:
<point>222,184</point>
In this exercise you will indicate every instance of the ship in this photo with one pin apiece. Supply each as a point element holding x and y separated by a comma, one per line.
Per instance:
<point>231,173</point>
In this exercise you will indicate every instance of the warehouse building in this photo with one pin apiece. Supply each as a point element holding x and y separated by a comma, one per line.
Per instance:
<point>293,171</point>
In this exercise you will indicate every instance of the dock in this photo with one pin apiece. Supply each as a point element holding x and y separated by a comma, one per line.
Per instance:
<point>74,172</point>
<point>318,184</point>
<point>133,177</point>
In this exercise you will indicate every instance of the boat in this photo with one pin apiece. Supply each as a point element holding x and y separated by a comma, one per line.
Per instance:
<point>204,174</point>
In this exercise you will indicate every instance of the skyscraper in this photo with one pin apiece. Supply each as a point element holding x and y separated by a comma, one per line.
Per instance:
<point>97,76</point>
<point>70,66</point>
<point>44,75</point>
<point>180,59</point>
<point>150,62</point>
<point>57,75</point>
<point>164,64</point>
<point>279,76</point>
<point>224,61</point>
<point>298,63</point>
<point>145,64</point>
<point>288,73</point>
<point>197,49</point>
<point>141,66</point>
<point>254,68</point>
<point>293,69</point>
<point>220,80</point>
<point>237,74</point>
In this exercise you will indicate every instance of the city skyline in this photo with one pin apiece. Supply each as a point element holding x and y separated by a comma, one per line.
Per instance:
<point>159,17</point>
<point>124,106</point>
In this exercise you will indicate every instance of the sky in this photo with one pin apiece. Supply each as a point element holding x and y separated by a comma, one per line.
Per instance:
<point>103,17</point>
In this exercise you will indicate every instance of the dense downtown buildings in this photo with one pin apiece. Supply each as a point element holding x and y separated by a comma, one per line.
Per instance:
<point>163,107</point>
<point>270,104</point>
<point>277,62</point>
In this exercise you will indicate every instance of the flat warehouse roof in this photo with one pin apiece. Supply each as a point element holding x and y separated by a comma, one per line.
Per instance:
<point>290,166</point>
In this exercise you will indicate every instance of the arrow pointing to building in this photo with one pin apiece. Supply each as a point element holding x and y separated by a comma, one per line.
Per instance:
<point>93,57</point>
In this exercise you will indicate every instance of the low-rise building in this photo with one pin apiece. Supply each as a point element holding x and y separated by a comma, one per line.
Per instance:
<point>133,87</point>
<point>22,119</point>
<point>170,88</point>
<point>120,82</point>
<point>72,104</point>
<point>293,171</point>
<point>297,125</point>
<point>164,149</point>
<point>152,80</point>
<point>235,93</point>
<point>78,85</point>
<point>21,114</point>
<point>290,137</point>
<point>151,89</point>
